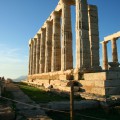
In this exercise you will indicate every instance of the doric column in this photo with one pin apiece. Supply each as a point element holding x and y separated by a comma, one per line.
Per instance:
<point>37,53</point>
<point>83,61</point>
<point>42,50</point>
<point>114,50</point>
<point>94,36</point>
<point>32,63</point>
<point>56,45</point>
<point>34,55</point>
<point>30,57</point>
<point>105,56</point>
<point>66,50</point>
<point>48,46</point>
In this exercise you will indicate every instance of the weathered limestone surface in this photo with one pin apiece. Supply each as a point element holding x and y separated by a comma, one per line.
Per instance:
<point>110,37</point>
<point>105,56</point>
<point>42,50</point>
<point>66,50</point>
<point>82,36</point>
<point>48,46</point>
<point>38,53</point>
<point>94,36</point>
<point>30,52</point>
<point>109,75</point>
<point>102,83</point>
<point>56,44</point>
<point>114,50</point>
<point>32,57</point>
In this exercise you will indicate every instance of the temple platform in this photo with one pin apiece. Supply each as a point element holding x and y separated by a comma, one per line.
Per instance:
<point>100,83</point>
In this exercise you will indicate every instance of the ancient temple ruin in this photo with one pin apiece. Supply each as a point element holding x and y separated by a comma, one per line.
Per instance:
<point>51,56</point>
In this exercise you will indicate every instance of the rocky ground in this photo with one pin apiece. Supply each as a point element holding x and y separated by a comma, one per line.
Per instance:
<point>26,112</point>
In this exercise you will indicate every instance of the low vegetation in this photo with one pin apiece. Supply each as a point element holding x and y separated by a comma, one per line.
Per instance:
<point>41,96</point>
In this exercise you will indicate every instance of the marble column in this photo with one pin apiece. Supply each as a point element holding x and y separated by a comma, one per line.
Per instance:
<point>56,45</point>
<point>30,57</point>
<point>83,59</point>
<point>94,36</point>
<point>34,55</point>
<point>37,53</point>
<point>42,50</point>
<point>66,35</point>
<point>48,46</point>
<point>32,45</point>
<point>114,50</point>
<point>105,56</point>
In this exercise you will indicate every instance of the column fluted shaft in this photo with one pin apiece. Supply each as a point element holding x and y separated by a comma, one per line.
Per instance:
<point>30,58</point>
<point>32,45</point>
<point>94,36</point>
<point>114,50</point>
<point>56,45</point>
<point>34,55</point>
<point>37,53</point>
<point>48,46</point>
<point>83,60</point>
<point>105,56</point>
<point>42,50</point>
<point>66,50</point>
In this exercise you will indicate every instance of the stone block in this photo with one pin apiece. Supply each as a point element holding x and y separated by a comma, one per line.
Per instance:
<point>113,90</point>
<point>118,74</point>
<point>112,83</point>
<point>87,83</point>
<point>78,105</point>
<point>98,91</point>
<point>110,75</point>
<point>64,77</point>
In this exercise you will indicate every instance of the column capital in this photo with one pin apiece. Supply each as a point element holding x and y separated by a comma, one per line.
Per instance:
<point>104,42</point>
<point>115,38</point>
<point>56,14</point>
<point>35,39</point>
<point>38,35</point>
<point>48,23</point>
<point>30,41</point>
<point>42,30</point>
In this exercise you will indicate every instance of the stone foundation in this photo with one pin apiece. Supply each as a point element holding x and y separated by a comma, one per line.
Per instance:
<point>100,83</point>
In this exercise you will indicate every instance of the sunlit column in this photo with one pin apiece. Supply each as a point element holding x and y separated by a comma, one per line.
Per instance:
<point>42,50</point>
<point>48,46</point>
<point>56,49</point>
<point>30,57</point>
<point>34,55</point>
<point>83,61</point>
<point>94,36</point>
<point>66,35</point>
<point>114,50</point>
<point>37,53</point>
<point>32,63</point>
<point>105,56</point>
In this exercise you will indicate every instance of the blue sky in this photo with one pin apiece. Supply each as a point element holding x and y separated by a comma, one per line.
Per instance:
<point>21,19</point>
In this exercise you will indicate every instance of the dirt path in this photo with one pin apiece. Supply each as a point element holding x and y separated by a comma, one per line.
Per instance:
<point>25,112</point>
